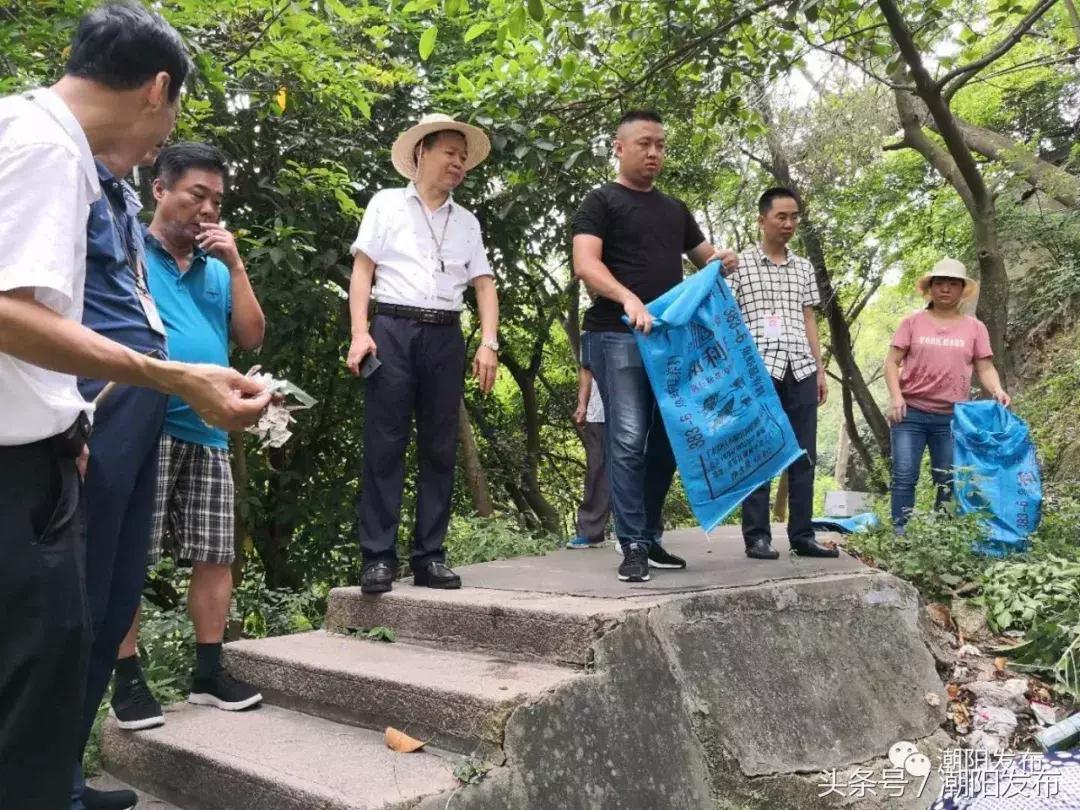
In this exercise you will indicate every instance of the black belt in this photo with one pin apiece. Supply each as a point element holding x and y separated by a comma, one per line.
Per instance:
<point>439,316</point>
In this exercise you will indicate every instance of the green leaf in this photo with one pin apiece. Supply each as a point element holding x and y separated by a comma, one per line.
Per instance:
<point>427,42</point>
<point>467,87</point>
<point>536,10</point>
<point>516,23</point>
<point>477,29</point>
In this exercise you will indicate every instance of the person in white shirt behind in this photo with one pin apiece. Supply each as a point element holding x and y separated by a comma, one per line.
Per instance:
<point>119,95</point>
<point>416,252</point>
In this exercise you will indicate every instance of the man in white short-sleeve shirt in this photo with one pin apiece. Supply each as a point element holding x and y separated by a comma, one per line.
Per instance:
<point>416,252</point>
<point>119,95</point>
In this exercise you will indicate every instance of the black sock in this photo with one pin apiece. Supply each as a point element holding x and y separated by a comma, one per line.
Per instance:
<point>127,670</point>
<point>207,659</point>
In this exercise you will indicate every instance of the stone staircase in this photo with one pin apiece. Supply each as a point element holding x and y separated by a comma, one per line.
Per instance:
<point>593,694</point>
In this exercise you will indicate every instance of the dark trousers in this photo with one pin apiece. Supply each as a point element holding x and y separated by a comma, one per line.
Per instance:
<point>121,482</point>
<point>44,625</point>
<point>421,374</point>
<point>640,464</point>
<point>595,509</point>
<point>799,400</point>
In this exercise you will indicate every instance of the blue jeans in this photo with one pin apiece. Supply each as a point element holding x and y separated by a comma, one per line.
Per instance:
<point>919,430</point>
<point>640,464</point>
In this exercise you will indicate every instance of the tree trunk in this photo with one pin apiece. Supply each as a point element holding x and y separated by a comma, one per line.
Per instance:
<point>779,509</point>
<point>967,179</point>
<point>1041,174</point>
<point>475,477</point>
<point>529,481</point>
<point>272,540</point>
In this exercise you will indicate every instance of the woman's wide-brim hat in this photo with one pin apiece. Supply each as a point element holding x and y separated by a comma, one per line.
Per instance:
<point>403,153</point>
<point>949,268</point>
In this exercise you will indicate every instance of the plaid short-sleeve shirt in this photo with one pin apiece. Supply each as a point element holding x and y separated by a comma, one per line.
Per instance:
<point>764,288</point>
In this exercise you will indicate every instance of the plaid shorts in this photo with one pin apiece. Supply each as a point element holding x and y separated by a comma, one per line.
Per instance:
<point>193,509</point>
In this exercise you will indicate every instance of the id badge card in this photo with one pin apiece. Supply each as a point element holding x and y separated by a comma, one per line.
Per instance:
<point>445,286</point>
<point>151,311</point>
<point>774,326</point>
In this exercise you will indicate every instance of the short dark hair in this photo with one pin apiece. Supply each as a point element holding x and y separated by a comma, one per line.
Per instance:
<point>630,116</point>
<point>121,45</point>
<point>175,160</point>
<point>765,201</point>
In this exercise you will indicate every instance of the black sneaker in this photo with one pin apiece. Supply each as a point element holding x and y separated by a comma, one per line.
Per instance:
<point>635,564</point>
<point>659,557</point>
<point>378,577</point>
<point>134,707</point>
<point>223,691</point>
<point>109,799</point>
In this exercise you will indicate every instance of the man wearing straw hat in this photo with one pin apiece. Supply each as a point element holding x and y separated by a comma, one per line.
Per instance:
<point>416,252</point>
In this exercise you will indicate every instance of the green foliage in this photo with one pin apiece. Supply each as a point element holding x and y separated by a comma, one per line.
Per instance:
<point>475,540</point>
<point>935,553</point>
<point>1017,595</point>
<point>375,634</point>
<point>471,770</point>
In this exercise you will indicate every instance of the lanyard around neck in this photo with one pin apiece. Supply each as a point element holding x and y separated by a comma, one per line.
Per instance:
<point>442,237</point>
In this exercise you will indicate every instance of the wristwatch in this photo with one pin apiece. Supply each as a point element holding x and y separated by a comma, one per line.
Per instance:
<point>491,344</point>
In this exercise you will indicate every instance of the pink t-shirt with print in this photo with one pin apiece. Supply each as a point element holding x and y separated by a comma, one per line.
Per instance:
<point>936,371</point>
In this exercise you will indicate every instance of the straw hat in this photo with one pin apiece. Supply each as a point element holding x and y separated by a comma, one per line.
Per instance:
<point>949,268</point>
<point>403,153</point>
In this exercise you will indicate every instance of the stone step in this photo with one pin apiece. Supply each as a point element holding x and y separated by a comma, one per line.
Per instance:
<point>457,700</point>
<point>271,758</point>
<point>520,624</point>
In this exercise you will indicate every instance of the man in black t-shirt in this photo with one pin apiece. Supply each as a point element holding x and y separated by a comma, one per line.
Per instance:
<point>629,240</point>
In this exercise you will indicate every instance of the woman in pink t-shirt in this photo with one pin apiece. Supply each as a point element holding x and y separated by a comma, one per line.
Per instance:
<point>928,370</point>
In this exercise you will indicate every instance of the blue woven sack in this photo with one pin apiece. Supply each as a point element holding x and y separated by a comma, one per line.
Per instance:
<point>997,474</point>
<point>727,428</point>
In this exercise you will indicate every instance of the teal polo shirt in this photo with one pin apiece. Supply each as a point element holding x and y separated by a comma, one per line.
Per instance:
<point>196,307</point>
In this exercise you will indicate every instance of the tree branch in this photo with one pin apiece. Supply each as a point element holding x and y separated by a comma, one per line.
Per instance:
<point>978,195</point>
<point>251,45</point>
<point>958,77</point>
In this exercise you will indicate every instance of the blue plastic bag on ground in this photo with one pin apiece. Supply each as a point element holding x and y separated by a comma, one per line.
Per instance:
<point>997,474</point>
<point>856,524</point>
<point>727,428</point>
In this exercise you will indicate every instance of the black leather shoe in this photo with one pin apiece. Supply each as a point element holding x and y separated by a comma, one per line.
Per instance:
<point>812,548</point>
<point>436,575</point>
<point>377,578</point>
<point>109,799</point>
<point>761,549</point>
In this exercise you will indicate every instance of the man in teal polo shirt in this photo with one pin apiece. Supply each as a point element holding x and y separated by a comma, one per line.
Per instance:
<point>202,291</point>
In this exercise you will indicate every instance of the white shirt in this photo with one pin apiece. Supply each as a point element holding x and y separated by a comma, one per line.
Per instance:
<point>47,182</point>
<point>402,237</point>
<point>594,411</point>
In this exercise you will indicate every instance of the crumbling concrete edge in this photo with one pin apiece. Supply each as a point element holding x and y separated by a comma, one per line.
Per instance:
<point>505,784</point>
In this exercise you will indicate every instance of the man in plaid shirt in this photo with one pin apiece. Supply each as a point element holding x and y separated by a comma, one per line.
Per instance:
<point>777,293</point>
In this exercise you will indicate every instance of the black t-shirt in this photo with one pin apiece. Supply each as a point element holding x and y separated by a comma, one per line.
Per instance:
<point>645,235</point>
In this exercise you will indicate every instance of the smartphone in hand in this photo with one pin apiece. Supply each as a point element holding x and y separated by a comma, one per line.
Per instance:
<point>369,366</point>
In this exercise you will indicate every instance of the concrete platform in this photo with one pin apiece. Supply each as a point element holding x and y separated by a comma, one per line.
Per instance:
<point>459,700</point>
<point>270,758</point>
<point>146,802</point>
<point>733,684</point>
<point>574,595</point>
<point>712,561</point>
